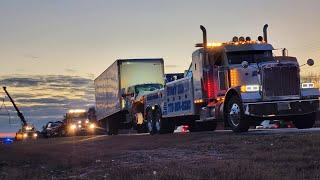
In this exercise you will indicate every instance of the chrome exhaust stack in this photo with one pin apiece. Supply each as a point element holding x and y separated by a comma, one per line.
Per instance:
<point>204,34</point>
<point>265,33</point>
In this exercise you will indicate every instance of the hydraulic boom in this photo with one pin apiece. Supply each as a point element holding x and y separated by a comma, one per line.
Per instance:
<point>20,115</point>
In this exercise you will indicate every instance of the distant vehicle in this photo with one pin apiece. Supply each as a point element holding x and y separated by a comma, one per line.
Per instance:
<point>54,129</point>
<point>77,123</point>
<point>27,131</point>
<point>6,140</point>
<point>119,88</point>
<point>240,83</point>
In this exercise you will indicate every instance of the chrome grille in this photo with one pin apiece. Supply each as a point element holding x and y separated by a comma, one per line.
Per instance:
<point>281,80</point>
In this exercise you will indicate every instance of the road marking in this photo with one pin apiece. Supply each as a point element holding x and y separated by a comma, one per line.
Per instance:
<point>90,138</point>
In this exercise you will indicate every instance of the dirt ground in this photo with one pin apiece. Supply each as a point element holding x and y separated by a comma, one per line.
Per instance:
<point>205,155</point>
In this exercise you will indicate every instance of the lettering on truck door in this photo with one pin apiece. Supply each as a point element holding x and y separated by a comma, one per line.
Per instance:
<point>178,98</point>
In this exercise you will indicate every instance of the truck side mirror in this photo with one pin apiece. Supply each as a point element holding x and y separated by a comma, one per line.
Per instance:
<point>245,64</point>
<point>310,62</point>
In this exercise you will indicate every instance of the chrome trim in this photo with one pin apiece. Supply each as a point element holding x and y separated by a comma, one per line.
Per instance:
<point>269,102</point>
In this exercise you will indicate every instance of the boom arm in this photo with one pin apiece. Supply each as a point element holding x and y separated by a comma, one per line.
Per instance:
<point>20,115</point>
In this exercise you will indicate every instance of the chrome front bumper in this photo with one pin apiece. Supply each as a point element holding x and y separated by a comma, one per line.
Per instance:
<point>281,108</point>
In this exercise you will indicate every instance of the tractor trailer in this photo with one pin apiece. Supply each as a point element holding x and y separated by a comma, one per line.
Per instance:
<point>118,91</point>
<point>239,83</point>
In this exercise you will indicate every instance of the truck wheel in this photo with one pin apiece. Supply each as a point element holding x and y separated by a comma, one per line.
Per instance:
<point>305,121</point>
<point>235,115</point>
<point>158,122</point>
<point>141,128</point>
<point>150,122</point>
<point>108,127</point>
<point>112,128</point>
<point>162,125</point>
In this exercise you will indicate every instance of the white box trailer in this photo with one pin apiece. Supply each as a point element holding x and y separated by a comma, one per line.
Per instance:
<point>113,83</point>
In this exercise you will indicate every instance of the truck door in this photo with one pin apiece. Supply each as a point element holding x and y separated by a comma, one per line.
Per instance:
<point>223,80</point>
<point>215,75</point>
<point>220,74</point>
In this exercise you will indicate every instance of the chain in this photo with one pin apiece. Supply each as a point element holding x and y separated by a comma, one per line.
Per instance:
<point>3,106</point>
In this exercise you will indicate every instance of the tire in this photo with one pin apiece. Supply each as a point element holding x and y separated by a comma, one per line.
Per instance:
<point>162,125</point>
<point>62,133</point>
<point>150,122</point>
<point>141,128</point>
<point>305,121</point>
<point>112,126</point>
<point>235,116</point>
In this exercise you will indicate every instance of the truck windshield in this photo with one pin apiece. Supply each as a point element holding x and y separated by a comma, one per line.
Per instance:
<point>75,117</point>
<point>249,56</point>
<point>147,87</point>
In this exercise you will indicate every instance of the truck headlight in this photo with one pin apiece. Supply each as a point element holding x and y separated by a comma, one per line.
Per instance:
<point>35,135</point>
<point>250,88</point>
<point>25,135</point>
<point>73,126</point>
<point>307,85</point>
<point>92,126</point>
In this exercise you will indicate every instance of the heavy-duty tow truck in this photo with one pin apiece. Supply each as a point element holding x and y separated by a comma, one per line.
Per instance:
<point>27,131</point>
<point>239,83</point>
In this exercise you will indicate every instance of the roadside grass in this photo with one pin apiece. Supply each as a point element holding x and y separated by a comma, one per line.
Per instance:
<point>180,156</point>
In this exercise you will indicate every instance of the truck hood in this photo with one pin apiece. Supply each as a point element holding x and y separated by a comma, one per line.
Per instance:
<point>141,94</point>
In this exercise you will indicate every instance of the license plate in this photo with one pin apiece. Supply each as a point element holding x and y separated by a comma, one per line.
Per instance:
<point>283,106</point>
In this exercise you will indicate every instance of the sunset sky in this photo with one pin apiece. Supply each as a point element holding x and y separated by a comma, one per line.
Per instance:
<point>50,50</point>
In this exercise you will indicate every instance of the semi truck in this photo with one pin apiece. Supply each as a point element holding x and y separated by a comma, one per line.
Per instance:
<point>118,92</point>
<point>240,83</point>
<point>77,122</point>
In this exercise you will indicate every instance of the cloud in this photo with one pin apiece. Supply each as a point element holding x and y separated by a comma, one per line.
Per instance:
<point>70,70</point>
<point>44,98</point>
<point>19,82</point>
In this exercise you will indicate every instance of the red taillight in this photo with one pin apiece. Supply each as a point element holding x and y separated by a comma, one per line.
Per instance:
<point>210,89</point>
<point>185,128</point>
<point>210,85</point>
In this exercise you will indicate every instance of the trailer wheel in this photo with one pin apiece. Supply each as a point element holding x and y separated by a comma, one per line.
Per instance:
<point>305,121</point>
<point>112,128</point>
<point>235,115</point>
